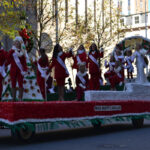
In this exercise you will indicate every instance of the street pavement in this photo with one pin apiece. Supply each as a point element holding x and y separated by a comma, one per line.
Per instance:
<point>109,137</point>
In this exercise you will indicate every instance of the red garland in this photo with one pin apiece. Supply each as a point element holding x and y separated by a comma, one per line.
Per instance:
<point>27,38</point>
<point>68,110</point>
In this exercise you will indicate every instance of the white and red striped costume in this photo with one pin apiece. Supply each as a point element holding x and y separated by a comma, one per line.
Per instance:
<point>94,69</point>
<point>117,78</point>
<point>110,71</point>
<point>82,83</point>
<point>79,58</point>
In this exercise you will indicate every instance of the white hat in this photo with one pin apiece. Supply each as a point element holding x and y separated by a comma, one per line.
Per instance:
<point>18,38</point>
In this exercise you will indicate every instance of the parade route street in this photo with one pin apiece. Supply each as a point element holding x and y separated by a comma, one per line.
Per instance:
<point>109,137</point>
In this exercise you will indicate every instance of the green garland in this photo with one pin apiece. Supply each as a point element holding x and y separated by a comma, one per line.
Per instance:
<point>73,123</point>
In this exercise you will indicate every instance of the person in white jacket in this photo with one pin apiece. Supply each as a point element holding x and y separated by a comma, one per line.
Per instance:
<point>139,54</point>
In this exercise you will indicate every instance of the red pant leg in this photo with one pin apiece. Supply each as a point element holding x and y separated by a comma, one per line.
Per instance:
<point>13,78</point>
<point>49,83</point>
<point>114,80</point>
<point>94,82</point>
<point>60,81</point>
<point>20,80</point>
<point>41,83</point>
<point>108,74</point>
<point>80,93</point>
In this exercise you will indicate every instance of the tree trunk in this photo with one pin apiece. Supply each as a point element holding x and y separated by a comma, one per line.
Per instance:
<point>66,11</point>
<point>110,18</point>
<point>95,14</point>
<point>56,20</point>
<point>53,11</point>
<point>76,14</point>
<point>103,21</point>
<point>85,13</point>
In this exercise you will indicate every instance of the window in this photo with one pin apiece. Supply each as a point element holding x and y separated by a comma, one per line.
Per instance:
<point>129,20</point>
<point>137,20</point>
<point>141,4</point>
<point>143,18</point>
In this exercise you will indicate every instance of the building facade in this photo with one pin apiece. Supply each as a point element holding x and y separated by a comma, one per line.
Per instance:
<point>136,15</point>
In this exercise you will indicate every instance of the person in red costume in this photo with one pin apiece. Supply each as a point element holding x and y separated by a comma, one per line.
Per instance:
<point>81,56</point>
<point>118,77</point>
<point>82,81</point>
<point>16,58</point>
<point>42,71</point>
<point>110,66</point>
<point>94,68</point>
<point>3,58</point>
<point>61,72</point>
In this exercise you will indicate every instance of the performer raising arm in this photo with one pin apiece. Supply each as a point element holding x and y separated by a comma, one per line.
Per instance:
<point>3,57</point>
<point>16,58</point>
<point>81,56</point>
<point>94,68</point>
<point>61,72</point>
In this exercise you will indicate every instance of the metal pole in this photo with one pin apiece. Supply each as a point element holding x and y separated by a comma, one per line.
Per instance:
<point>145,19</point>
<point>56,20</point>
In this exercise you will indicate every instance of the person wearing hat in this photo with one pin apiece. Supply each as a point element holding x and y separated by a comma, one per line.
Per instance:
<point>16,58</point>
<point>94,68</point>
<point>81,56</point>
<point>110,65</point>
<point>82,81</point>
<point>3,58</point>
<point>118,77</point>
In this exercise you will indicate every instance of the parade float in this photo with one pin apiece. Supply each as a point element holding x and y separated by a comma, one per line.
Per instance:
<point>131,104</point>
